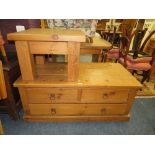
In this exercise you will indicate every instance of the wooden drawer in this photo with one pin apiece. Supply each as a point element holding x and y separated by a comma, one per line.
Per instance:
<point>51,95</point>
<point>104,96</point>
<point>77,109</point>
<point>48,47</point>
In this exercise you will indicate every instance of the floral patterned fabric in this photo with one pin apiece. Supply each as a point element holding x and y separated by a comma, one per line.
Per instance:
<point>86,25</point>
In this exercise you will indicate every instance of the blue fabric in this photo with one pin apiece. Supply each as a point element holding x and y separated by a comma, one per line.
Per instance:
<point>142,122</point>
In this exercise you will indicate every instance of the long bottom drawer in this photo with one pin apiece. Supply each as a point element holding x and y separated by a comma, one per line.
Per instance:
<point>77,109</point>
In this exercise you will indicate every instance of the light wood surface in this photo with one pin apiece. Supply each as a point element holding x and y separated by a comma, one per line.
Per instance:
<point>2,45</point>
<point>47,41</point>
<point>45,118</point>
<point>3,93</point>
<point>72,90</point>
<point>77,109</point>
<point>26,60</point>
<point>90,74</point>
<point>98,43</point>
<point>38,34</point>
<point>48,48</point>
<point>96,47</point>
<point>73,60</point>
<point>96,95</point>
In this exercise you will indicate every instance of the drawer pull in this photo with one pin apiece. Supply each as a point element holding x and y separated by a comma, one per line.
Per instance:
<point>106,95</point>
<point>53,111</point>
<point>52,96</point>
<point>103,110</point>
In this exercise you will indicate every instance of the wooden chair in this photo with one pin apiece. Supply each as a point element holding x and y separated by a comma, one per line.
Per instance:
<point>138,37</point>
<point>3,93</point>
<point>2,42</point>
<point>133,64</point>
<point>127,26</point>
<point>144,54</point>
<point>138,34</point>
<point>113,53</point>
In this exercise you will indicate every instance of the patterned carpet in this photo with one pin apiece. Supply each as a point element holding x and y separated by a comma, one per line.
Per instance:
<point>142,122</point>
<point>148,87</point>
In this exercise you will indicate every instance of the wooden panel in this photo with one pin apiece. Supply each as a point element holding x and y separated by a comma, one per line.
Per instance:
<point>77,109</point>
<point>24,100</point>
<point>3,93</point>
<point>98,43</point>
<point>26,60</point>
<point>107,75</point>
<point>38,34</point>
<point>73,60</point>
<point>49,95</point>
<point>104,96</point>
<point>131,97</point>
<point>44,118</point>
<point>48,47</point>
<point>90,51</point>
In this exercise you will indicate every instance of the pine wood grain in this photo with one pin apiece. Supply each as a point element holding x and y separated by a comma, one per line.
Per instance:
<point>38,34</point>
<point>26,60</point>
<point>113,118</point>
<point>3,93</point>
<point>107,75</point>
<point>77,109</point>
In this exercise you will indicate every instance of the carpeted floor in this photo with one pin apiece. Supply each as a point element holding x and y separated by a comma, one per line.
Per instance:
<point>148,87</point>
<point>142,122</point>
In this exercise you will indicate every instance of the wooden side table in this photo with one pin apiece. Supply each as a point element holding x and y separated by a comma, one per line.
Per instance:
<point>70,91</point>
<point>58,41</point>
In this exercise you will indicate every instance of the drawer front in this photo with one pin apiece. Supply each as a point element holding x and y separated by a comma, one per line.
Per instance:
<point>48,47</point>
<point>104,96</point>
<point>49,95</point>
<point>77,109</point>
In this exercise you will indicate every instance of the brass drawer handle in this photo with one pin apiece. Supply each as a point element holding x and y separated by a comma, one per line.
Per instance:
<point>52,96</point>
<point>53,111</point>
<point>103,110</point>
<point>106,95</point>
<point>55,96</point>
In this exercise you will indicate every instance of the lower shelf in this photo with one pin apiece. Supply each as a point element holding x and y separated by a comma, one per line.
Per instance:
<point>31,118</point>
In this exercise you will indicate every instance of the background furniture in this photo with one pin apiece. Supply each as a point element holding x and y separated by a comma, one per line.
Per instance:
<point>1,128</point>
<point>2,42</point>
<point>11,73</point>
<point>97,47</point>
<point>9,25</point>
<point>49,94</point>
<point>127,26</point>
<point>3,93</point>
<point>131,63</point>
<point>150,49</point>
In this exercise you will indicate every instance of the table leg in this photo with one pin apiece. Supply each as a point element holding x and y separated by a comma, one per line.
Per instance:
<point>100,57</point>
<point>23,52</point>
<point>73,60</point>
